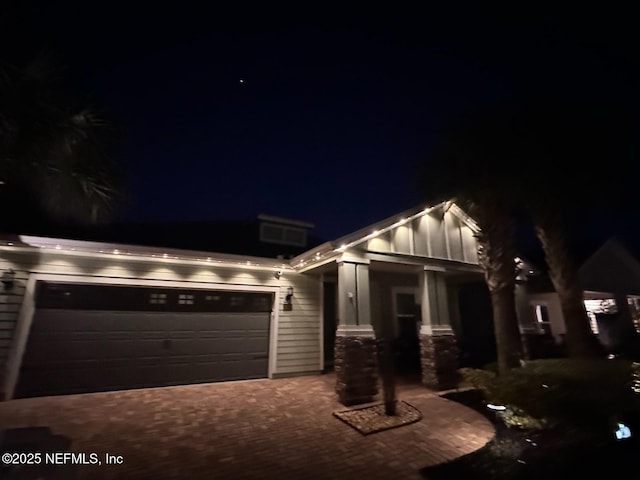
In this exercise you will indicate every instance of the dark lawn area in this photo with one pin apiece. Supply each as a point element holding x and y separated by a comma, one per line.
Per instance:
<point>516,454</point>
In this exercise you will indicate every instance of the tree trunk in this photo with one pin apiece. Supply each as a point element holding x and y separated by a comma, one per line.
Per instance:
<point>388,374</point>
<point>507,331</point>
<point>496,255</point>
<point>580,340</point>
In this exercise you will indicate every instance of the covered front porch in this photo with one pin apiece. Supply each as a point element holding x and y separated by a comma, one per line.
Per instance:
<point>412,306</point>
<point>395,280</point>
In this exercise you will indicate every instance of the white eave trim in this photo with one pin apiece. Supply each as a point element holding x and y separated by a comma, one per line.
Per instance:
<point>28,243</point>
<point>320,255</point>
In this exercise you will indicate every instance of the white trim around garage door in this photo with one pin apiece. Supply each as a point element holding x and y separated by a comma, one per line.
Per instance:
<point>27,310</point>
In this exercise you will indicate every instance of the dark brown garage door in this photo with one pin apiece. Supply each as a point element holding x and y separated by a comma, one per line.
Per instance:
<point>88,338</point>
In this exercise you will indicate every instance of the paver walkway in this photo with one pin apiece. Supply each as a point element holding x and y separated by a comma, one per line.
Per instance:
<point>247,430</point>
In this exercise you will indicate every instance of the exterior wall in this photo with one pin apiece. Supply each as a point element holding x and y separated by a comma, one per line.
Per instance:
<point>524,309</point>
<point>296,335</point>
<point>299,339</point>
<point>10,303</point>
<point>438,234</point>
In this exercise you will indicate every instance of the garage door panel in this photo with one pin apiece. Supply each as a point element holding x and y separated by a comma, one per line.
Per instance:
<point>216,322</point>
<point>92,378</point>
<point>83,350</point>
<point>135,349</point>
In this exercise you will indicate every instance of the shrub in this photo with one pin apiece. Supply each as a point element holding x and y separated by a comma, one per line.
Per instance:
<point>584,394</point>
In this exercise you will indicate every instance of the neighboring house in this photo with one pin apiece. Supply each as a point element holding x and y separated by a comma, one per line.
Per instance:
<point>611,281</point>
<point>79,316</point>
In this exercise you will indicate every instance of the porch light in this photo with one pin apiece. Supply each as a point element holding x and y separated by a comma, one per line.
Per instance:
<point>289,295</point>
<point>496,407</point>
<point>8,277</point>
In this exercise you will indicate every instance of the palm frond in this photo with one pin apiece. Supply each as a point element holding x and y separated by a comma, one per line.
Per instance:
<point>59,152</point>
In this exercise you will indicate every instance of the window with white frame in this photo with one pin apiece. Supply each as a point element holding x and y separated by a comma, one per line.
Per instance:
<point>541,313</point>
<point>596,306</point>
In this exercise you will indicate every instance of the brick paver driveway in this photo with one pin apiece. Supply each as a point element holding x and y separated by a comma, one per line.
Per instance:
<point>254,429</point>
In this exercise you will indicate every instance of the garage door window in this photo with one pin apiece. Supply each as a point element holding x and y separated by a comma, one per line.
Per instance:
<point>139,298</point>
<point>237,301</point>
<point>158,298</point>
<point>185,299</point>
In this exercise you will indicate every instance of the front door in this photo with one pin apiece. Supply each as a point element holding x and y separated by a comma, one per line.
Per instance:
<point>407,321</point>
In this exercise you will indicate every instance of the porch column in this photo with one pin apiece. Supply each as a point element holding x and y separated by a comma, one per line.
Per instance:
<point>355,347</point>
<point>438,346</point>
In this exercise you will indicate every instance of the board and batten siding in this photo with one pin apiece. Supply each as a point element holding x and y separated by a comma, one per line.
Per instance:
<point>297,334</point>
<point>438,234</point>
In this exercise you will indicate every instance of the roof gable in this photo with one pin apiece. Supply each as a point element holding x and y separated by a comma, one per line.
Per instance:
<point>611,268</point>
<point>442,231</point>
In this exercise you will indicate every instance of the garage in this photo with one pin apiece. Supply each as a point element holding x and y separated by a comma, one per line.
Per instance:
<point>90,338</point>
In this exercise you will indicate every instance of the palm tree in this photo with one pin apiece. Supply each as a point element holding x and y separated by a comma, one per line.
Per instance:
<point>568,135</point>
<point>51,148</point>
<point>551,231</point>
<point>469,165</point>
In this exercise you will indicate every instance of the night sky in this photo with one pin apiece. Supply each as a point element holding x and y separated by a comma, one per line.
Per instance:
<point>323,115</point>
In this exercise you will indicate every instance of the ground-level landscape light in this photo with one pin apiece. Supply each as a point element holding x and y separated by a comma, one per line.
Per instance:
<point>622,431</point>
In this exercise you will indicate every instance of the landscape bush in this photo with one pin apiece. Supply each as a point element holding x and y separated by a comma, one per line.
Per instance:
<point>584,394</point>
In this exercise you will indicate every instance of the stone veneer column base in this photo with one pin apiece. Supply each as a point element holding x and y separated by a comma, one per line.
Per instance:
<point>355,363</point>
<point>439,361</point>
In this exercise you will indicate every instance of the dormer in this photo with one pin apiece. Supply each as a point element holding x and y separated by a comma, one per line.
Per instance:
<point>284,231</point>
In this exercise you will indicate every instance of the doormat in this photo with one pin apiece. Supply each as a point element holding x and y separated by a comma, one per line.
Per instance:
<point>372,419</point>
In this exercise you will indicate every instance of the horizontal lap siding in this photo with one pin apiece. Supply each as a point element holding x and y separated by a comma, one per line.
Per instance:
<point>10,303</point>
<point>299,330</point>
